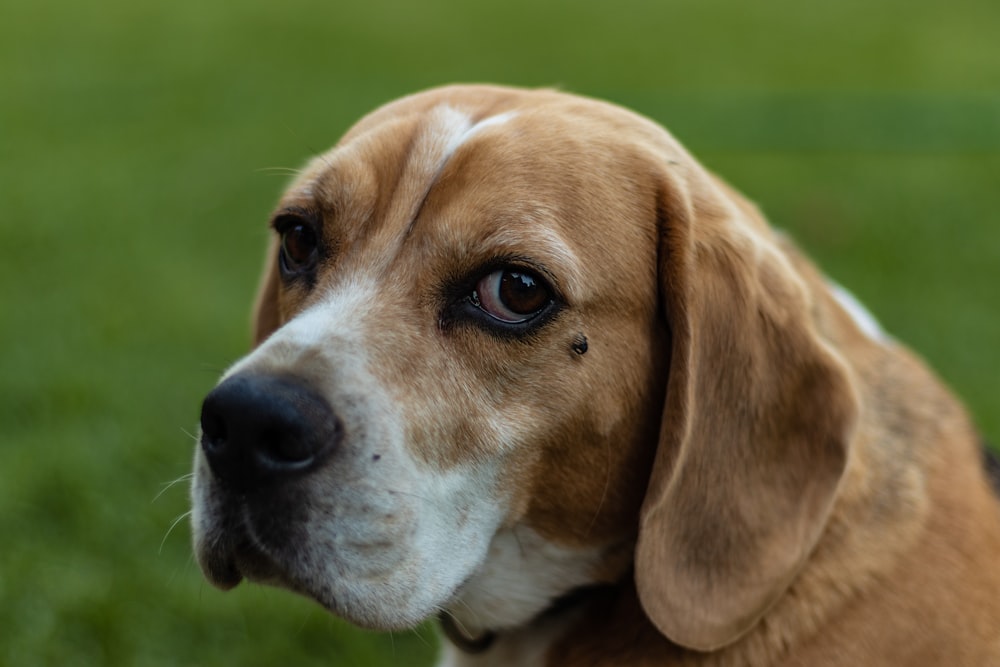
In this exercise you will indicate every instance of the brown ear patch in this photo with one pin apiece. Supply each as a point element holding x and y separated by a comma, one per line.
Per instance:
<point>755,430</point>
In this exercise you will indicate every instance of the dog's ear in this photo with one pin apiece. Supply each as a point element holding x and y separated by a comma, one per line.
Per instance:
<point>758,415</point>
<point>266,310</point>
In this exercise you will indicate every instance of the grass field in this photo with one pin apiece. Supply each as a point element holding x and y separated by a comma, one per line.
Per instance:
<point>136,141</point>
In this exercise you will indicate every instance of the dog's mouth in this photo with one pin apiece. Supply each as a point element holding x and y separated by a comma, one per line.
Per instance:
<point>226,569</point>
<point>257,538</point>
<point>236,549</point>
<point>353,538</point>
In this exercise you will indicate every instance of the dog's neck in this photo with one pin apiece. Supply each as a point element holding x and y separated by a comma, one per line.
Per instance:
<point>462,640</point>
<point>522,598</point>
<point>521,576</point>
<point>526,646</point>
<point>557,614</point>
<point>600,625</point>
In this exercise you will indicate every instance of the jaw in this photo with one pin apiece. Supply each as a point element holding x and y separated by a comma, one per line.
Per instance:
<point>372,555</point>
<point>522,575</point>
<point>487,579</point>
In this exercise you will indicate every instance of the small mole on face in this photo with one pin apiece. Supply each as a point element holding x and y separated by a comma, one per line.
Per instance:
<point>580,344</point>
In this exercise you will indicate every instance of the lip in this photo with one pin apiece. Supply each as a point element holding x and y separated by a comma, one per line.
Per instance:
<point>220,570</point>
<point>226,570</point>
<point>229,552</point>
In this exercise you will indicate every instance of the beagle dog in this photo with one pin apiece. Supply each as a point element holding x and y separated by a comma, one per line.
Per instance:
<point>522,364</point>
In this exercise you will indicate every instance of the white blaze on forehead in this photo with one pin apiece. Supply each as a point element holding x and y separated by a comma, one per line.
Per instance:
<point>492,121</point>
<point>440,138</point>
<point>441,134</point>
<point>861,315</point>
<point>446,131</point>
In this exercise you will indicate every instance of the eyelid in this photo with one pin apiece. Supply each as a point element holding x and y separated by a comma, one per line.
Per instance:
<point>287,217</point>
<point>487,296</point>
<point>522,264</point>
<point>283,222</point>
<point>458,308</point>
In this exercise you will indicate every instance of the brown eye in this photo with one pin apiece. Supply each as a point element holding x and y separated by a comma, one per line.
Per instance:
<point>512,296</point>
<point>299,247</point>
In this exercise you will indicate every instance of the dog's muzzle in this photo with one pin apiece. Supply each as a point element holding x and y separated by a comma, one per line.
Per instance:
<point>259,430</point>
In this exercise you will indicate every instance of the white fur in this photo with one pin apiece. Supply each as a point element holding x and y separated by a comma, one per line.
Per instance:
<point>341,315</point>
<point>388,537</point>
<point>861,315</point>
<point>447,131</point>
<point>491,121</point>
<point>444,132</point>
<point>522,575</point>
<point>449,128</point>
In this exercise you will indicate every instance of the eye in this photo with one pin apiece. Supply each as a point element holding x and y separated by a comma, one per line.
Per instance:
<point>511,295</point>
<point>299,245</point>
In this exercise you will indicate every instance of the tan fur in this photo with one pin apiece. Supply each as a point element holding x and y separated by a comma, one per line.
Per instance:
<point>799,493</point>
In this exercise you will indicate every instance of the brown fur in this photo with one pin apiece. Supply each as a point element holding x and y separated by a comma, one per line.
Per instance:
<point>800,494</point>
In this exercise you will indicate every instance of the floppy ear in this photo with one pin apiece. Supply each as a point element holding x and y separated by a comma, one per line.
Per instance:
<point>758,416</point>
<point>266,311</point>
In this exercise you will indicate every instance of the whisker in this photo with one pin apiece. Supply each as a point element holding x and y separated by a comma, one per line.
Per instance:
<point>169,485</point>
<point>212,368</point>
<point>458,623</point>
<point>309,148</point>
<point>279,171</point>
<point>171,529</point>
<point>417,632</point>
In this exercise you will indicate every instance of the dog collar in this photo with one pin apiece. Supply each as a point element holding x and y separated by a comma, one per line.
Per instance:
<point>482,642</point>
<point>462,640</point>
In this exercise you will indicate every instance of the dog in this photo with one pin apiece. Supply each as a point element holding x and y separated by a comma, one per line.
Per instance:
<point>522,364</point>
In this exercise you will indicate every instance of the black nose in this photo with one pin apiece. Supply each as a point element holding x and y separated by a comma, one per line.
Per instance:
<point>260,429</point>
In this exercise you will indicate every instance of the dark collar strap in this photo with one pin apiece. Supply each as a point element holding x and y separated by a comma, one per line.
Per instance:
<point>481,643</point>
<point>456,635</point>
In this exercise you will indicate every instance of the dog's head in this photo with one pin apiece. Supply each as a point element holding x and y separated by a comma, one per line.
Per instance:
<point>501,336</point>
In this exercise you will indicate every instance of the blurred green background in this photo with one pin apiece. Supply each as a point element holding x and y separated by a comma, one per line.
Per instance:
<point>138,143</point>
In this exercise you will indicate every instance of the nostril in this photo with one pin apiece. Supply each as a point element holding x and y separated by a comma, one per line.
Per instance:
<point>285,449</point>
<point>213,427</point>
<point>258,429</point>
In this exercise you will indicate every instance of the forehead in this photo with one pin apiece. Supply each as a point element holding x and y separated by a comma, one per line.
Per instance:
<point>404,147</point>
<point>543,170</point>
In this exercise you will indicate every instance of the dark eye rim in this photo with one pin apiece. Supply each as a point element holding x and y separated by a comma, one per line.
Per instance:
<point>460,309</point>
<point>282,224</point>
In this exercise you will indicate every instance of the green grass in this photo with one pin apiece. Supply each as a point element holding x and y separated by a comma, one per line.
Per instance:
<point>134,145</point>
